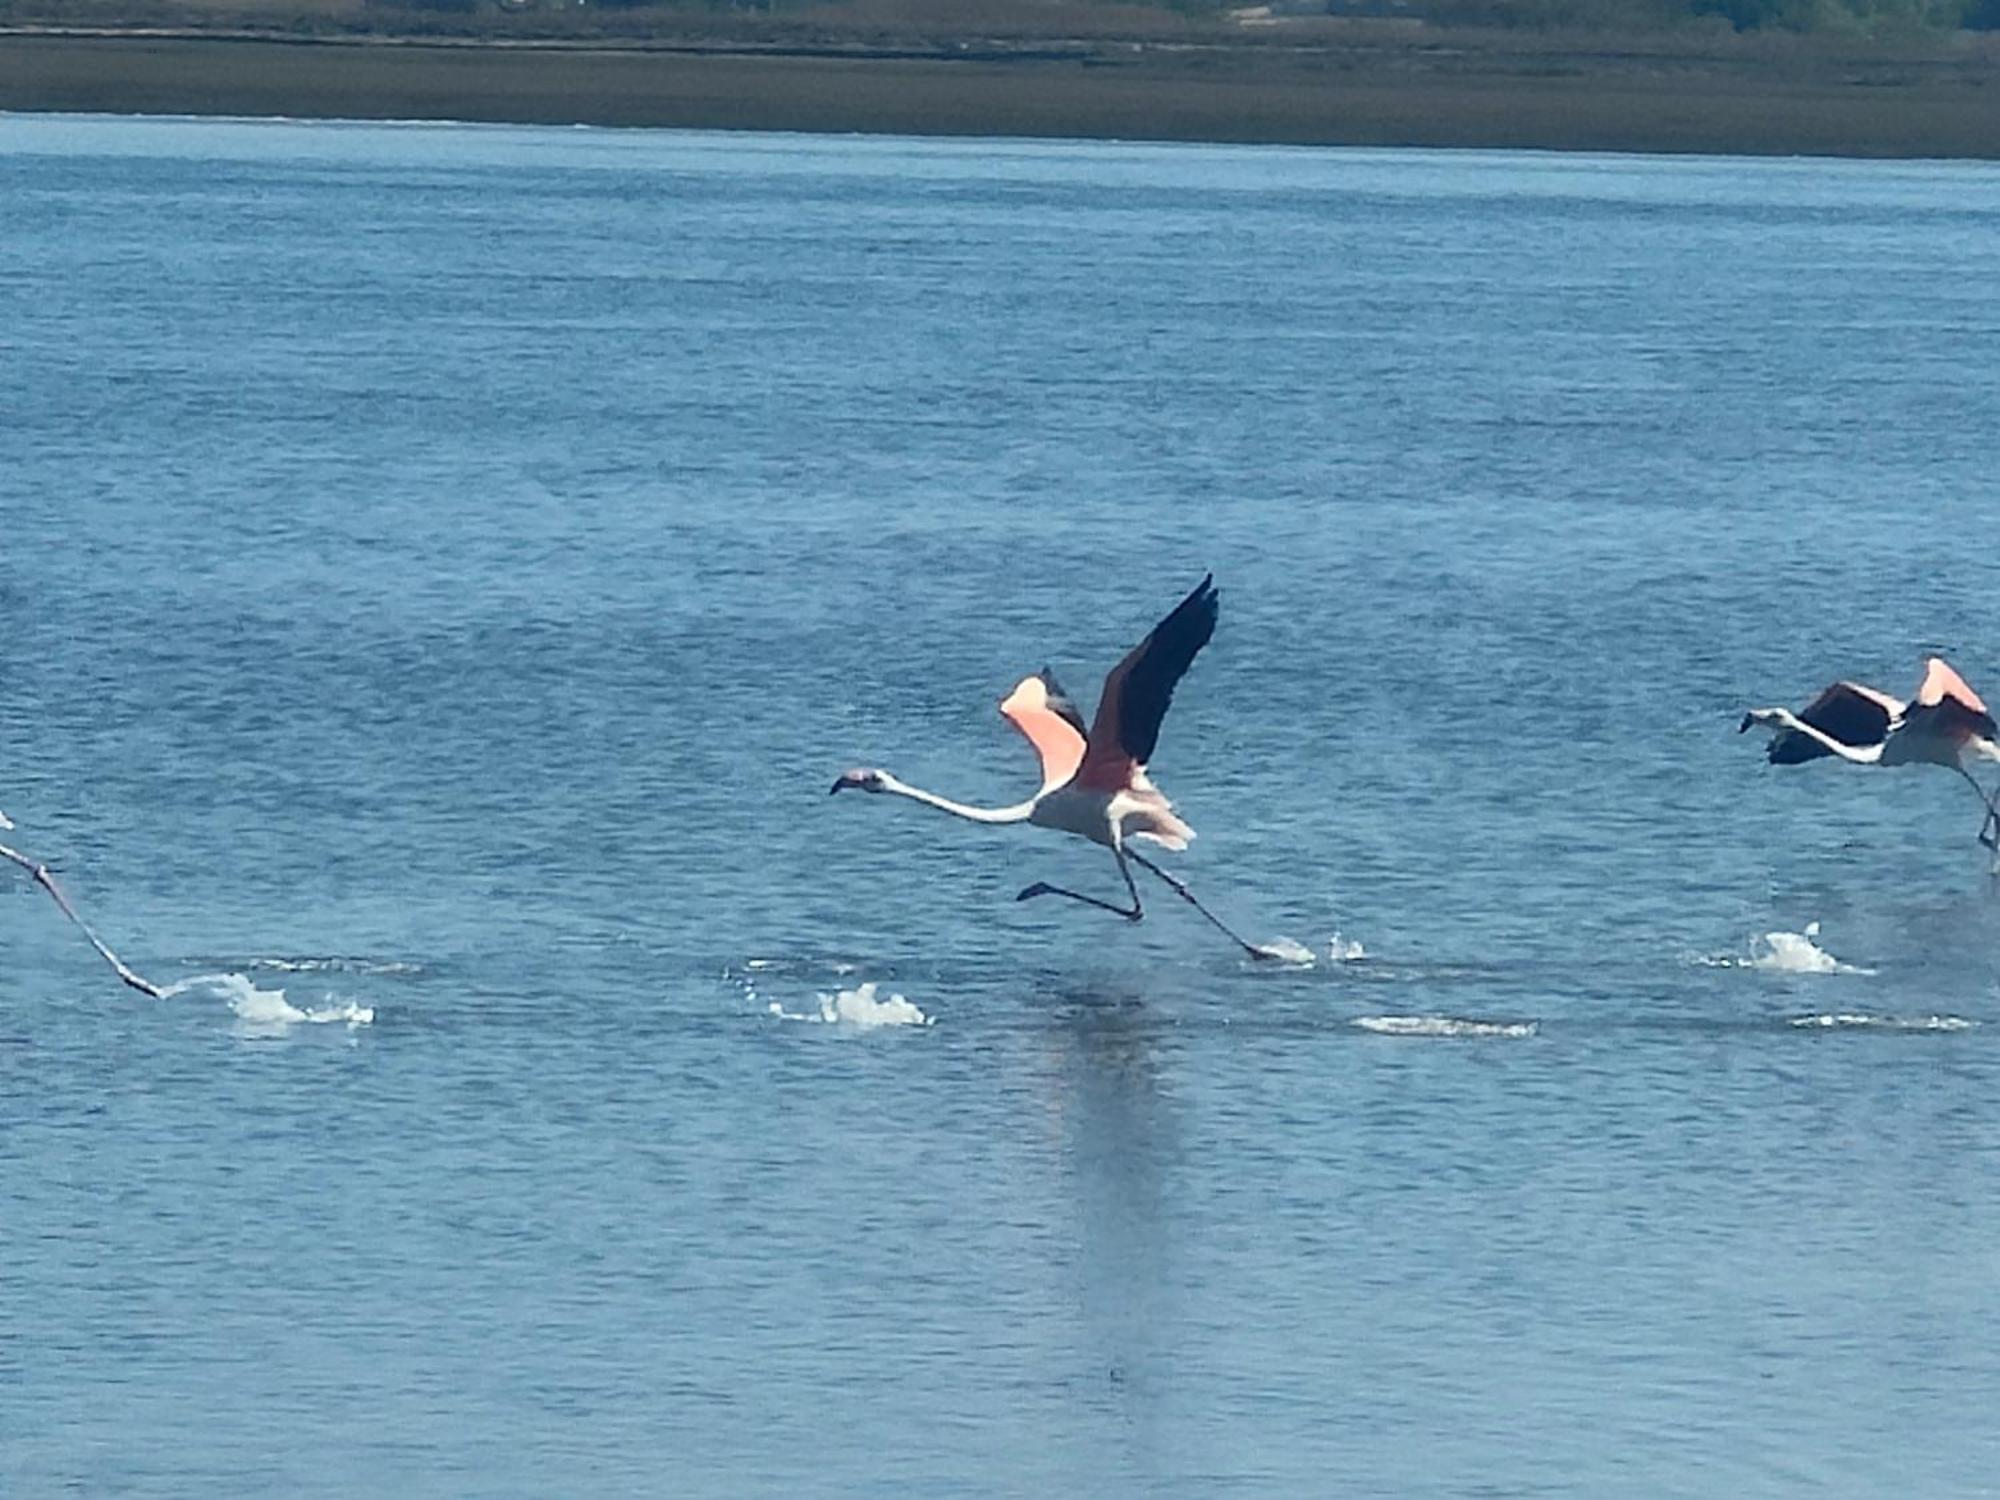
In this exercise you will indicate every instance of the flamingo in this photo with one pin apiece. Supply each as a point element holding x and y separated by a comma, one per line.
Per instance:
<point>1094,782</point>
<point>40,873</point>
<point>1946,725</point>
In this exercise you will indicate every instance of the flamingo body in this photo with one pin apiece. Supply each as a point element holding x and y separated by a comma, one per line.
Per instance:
<point>1107,818</point>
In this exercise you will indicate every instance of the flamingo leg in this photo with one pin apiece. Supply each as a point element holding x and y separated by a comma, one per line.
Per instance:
<point>1988,827</point>
<point>1043,888</point>
<point>1180,889</point>
<point>1989,830</point>
<point>47,882</point>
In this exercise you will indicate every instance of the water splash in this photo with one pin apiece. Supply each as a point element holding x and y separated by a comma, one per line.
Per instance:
<point>1788,953</point>
<point>1285,951</point>
<point>267,1011</point>
<point>858,1007</point>
<point>1443,1026</point>
<point>1844,1020</point>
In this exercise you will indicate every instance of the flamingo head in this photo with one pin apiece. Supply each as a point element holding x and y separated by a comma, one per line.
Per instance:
<point>1770,718</point>
<point>861,779</point>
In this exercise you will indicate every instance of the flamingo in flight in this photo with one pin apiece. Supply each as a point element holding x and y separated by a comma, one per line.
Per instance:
<point>1947,725</point>
<point>40,873</point>
<point>1094,782</point>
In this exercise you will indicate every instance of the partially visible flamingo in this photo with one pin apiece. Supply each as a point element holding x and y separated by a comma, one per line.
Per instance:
<point>1095,785</point>
<point>1947,725</point>
<point>47,882</point>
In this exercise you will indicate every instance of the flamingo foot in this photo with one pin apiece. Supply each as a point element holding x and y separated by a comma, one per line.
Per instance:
<point>1040,888</point>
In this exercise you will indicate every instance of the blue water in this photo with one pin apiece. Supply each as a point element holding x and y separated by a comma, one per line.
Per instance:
<point>442,570</point>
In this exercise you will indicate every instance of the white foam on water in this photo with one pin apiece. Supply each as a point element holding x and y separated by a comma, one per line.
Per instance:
<point>263,1010</point>
<point>1788,953</point>
<point>858,1007</point>
<point>1339,950</point>
<point>1841,1020</point>
<point>1285,951</point>
<point>1442,1026</point>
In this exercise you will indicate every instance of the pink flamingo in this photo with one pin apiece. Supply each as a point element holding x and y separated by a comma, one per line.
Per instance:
<point>1094,783</point>
<point>1946,725</point>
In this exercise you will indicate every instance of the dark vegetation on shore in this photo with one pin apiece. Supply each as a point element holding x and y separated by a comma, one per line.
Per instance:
<point>1840,25</point>
<point>1863,78</point>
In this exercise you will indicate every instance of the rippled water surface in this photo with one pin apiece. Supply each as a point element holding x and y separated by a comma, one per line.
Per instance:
<point>442,569</point>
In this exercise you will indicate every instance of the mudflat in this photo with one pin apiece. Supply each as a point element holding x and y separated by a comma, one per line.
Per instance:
<point>1316,85</point>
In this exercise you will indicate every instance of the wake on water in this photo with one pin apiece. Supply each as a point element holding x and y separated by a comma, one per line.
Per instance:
<point>1444,1026</point>
<point>388,966</point>
<point>1843,1021</point>
<point>864,1007</point>
<point>1800,953</point>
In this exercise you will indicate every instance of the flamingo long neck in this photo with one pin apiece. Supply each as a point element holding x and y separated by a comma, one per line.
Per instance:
<point>1019,813</point>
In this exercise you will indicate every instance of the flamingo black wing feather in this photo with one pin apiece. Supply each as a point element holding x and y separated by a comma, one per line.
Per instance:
<point>1158,666</point>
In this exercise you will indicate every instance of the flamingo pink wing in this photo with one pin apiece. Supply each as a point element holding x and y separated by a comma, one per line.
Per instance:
<point>1941,682</point>
<point>1040,710</point>
<point>1946,708</point>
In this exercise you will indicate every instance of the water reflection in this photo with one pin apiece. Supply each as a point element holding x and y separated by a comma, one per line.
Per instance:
<point>1120,1143</point>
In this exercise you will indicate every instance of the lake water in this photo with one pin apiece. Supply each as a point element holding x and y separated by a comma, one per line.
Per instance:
<point>442,570</point>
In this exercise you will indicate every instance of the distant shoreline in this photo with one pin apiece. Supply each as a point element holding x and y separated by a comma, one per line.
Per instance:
<point>1572,100</point>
